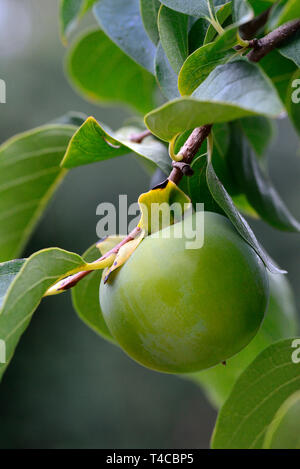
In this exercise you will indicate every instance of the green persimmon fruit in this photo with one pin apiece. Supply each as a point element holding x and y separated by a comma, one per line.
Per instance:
<point>180,310</point>
<point>280,322</point>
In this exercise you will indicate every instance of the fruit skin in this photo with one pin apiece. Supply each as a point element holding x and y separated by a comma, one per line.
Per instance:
<point>179,310</point>
<point>280,322</point>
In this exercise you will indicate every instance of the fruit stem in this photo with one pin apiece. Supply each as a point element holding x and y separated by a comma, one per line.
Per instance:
<point>72,280</point>
<point>189,150</point>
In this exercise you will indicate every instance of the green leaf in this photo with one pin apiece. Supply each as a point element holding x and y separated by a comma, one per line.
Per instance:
<point>231,91</point>
<point>284,430</point>
<point>8,271</point>
<point>196,8</point>
<point>259,6</point>
<point>224,200</point>
<point>122,22</point>
<point>29,174</point>
<point>259,131</point>
<point>26,290</point>
<point>91,143</point>
<point>290,11</point>
<point>223,15</point>
<point>197,34</point>
<point>280,70</point>
<point>198,189</point>
<point>257,395</point>
<point>173,33</point>
<point>221,155</point>
<point>102,73</point>
<point>85,297</point>
<point>280,322</point>
<point>165,75</point>
<point>257,186</point>
<point>242,11</point>
<point>293,100</point>
<point>243,206</point>
<point>204,60</point>
<point>149,13</point>
<point>291,49</point>
<point>70,118</point>
<point>71,11</point>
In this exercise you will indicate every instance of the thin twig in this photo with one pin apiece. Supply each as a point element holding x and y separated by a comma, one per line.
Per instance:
<point>266,44</point>
<point>138,138</point>
<point>190,149</point>
<point>72,280</point>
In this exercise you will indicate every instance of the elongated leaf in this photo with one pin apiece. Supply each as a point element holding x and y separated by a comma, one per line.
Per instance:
<point>280,70</point>
<point>224,200</point>
<point>149,13</point>
<point>198,189</point>
<point>289,11</point>
<point>85,297</point>
<point>26,290</point>
<point>242,11</point>
<point>197,34</point>
<point>29,174</point>
<point>259,6</point>
<point>231,91</point>
<point>8,271</point>
<point>200,64</point>
<point>173,33</point>
<point>259,132</point>
<point>243,206</point>
<point>166,77</point>
<point>257,186</point>
<point>284,430</point>
<point>71,11</point>
<point>237,83</point>
<point>256,397</point>
<point>91,143</point>
<point>291,49</point>
<point>196,8</point>
<point>197,183</point>
<point>122,22</point>
<point>102,73</point>
<point>220,157</point>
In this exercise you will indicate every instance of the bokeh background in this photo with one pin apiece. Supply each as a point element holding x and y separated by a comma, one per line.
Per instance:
<point>66,387</point>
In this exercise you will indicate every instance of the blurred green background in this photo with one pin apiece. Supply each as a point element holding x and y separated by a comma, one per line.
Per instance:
<point>67,388</point>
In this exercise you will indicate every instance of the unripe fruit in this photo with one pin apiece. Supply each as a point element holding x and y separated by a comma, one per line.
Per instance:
<point>280,322</point>
<point>180,310</point>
